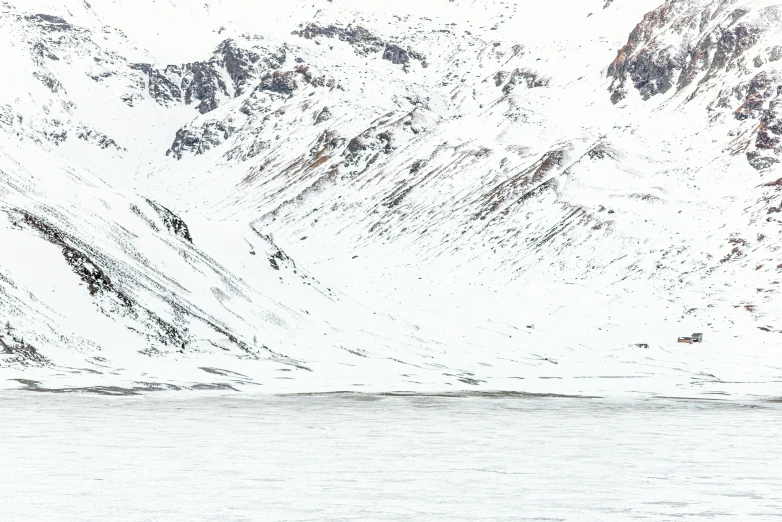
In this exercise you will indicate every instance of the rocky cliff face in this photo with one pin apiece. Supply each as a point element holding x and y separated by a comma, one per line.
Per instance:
<point>708,49</point>
<point>222,77</point>
<point>708,42</point>
<point>364,43</point>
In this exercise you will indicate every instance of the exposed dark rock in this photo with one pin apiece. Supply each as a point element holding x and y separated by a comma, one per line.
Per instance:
<point>470,380</point>
<point>137,211</point>
<point>172,222</point>
<point>417,166</point>
<point>761,99</point>
<point>113,300</point>
<point>500,77</point>
<point>386,139</point>
<point>56,136</point>
<point>279,82</point>
<point>723,46</point>
<point>40,51</point>
<point>118,391</point>
<point>199,140</point>
<point>523,77</point>
<point>22,353</point>
<point>365,43</point>
<point>225,75</point>
<point>51,83</point>
<point>50,23</point>
<point>600,151</point>
<point>365,147</point>
<point>162,89</point>
<point>98,138</point>
<point>286,82</point>
<point>239,64</point>
<point>399,56</point>
<point>766,140</point>
<point>245,150</point>
<point>214,387</point>
<point>323,116</point>
<point>654,68</point>
<point>96,279</point>
<point>704,50</point>
<point>518,188</point>
<point>760,161</point>
<point>204,84</point>
<point>279,258</point>
<point>328,141</point>
<point>756,95</point>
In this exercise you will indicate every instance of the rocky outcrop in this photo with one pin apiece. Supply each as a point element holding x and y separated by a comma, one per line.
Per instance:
<point>281,259</point>
<point>286,82</point>
<point>22,353</point>
<point>761,100</point>
<point>242,65</point>
<point>171,221</point>
<point>678,43</point>
<point>323,116</point>
<point>273,85</point>
<point>364,149</point>
<point>721,49</point>
<point>527,183</point>
<point>50,23</point>
<point>279,82</point>
<point>205,84</point>
<point>399,56</point>
<point>712,51</point>
<point>111,298</point>
<point>756,100</point>
<point>97,138</point>
<point>199,140</point>
<point>519,77</point>
<point>224,76</point>
<point>163,89</point>
<point>365,43</point>
<point>328,141</point>
<point>97,281</point>
<point>51,83</point>
<point>649,66</point>
<point>248,148</point>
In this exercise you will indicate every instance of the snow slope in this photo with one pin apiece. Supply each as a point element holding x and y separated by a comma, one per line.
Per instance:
<point>425,195</point>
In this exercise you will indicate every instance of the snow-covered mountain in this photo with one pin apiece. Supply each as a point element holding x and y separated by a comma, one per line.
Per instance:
<point>330,195</point>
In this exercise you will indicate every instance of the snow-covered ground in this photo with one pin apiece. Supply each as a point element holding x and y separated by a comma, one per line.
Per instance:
<point>296,458</point>
<point>423,195</point>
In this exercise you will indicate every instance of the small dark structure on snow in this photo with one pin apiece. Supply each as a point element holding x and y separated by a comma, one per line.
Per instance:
<point>695,338</point>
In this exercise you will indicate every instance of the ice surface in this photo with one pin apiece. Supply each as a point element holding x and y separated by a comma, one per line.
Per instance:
<point>364,457</point>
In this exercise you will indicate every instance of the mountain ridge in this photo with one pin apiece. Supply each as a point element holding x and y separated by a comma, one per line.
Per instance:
<point>450,179</point>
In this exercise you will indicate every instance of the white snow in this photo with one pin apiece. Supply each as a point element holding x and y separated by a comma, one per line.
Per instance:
<point>386,458</point>
<point>417,264</point>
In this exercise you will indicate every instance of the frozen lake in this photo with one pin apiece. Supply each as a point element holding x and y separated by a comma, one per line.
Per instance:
<point>342,457</point>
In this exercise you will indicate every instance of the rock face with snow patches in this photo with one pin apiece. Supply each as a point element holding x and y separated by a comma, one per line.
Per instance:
<point>421,196</point>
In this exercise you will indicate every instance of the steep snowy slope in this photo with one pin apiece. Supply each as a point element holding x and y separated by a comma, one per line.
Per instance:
<point>502,195</point>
